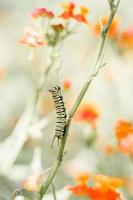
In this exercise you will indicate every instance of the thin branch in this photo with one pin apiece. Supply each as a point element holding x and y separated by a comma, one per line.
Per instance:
<point>54,193</point>
<point>96,66</point>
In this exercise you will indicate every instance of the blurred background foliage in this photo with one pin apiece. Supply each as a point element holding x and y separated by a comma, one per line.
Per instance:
<point>111,92</point>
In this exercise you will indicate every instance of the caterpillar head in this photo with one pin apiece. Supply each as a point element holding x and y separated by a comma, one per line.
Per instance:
<point>54,89</point>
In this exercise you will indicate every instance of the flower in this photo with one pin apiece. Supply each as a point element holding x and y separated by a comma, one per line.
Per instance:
<point>32,38</point>
<point>81,189</point>
<point>103,187</point>
<point>113,31</point>
<point>122,129</point>
<point>68,12</point>
<point>124,136</point>
<point>125,39</point>
<point>41,12</point>
<point>67,84</point>
<point>87,112</point>
<point>81,17</point>
<point>99,194</point>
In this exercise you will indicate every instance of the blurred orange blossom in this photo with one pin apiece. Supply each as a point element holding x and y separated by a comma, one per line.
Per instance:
<point>87,112</point>
<point>67,84</point>
<point>123,128</point>
<point>102,187</point>
<point>125,39</point>
<point>69,12</point>
<point>113,31</point>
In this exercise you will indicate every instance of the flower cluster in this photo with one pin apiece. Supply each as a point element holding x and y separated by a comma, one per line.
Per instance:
<point>69,13</point>
<point>57,28</point>
<point>97,187</point>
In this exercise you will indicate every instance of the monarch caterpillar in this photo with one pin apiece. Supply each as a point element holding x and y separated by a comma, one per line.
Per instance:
<point>60,113</point>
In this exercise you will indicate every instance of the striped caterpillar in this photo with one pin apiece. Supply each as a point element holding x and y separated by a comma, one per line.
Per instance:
<point>60,113</point>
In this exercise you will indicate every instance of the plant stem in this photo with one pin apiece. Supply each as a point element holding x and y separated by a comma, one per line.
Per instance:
<point>54,193</point>
<point>95,64</point>
<point>98,56</point>
<point>56,165</point>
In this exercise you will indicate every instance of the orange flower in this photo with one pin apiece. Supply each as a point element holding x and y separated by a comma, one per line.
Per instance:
<point>68,12</point>
<point>113,31</point>
<point>79,190</point>
<point>99,194</point>
<point>41,12</point>
<point>32,184</point>
<point>66,84</point>
<point>122,129</point>
<point>81,17</point>
<point>103,188</point>
<point>32,38</point>
<point>125,39</point>
<point>87,112</point>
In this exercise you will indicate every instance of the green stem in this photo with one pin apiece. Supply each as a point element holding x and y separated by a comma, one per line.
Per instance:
<point>80,97</point>
<point>98,56</point>
<point>54,193</point>
<point>97,59</point>
<point>56,165</point>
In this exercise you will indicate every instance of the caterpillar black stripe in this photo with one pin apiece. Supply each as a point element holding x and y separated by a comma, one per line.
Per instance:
<point>60,113</point>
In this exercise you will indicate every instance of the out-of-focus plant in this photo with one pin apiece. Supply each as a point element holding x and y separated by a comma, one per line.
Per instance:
<point>97,187</point>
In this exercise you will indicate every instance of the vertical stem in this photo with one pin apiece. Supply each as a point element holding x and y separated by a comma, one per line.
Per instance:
<point>54,193</point>
<point>56,165</point>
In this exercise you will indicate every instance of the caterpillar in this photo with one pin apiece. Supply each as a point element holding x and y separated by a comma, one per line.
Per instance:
<point>60,113</point>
